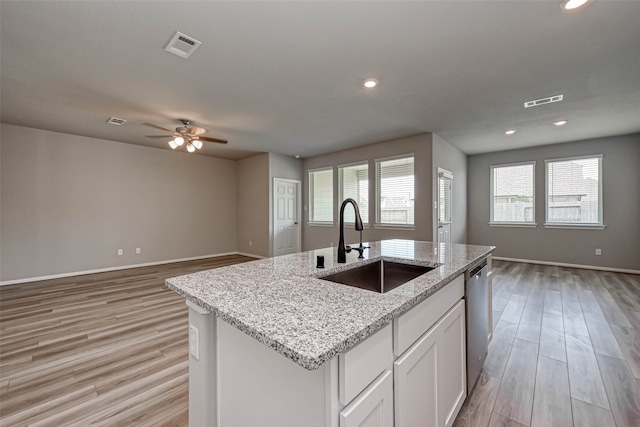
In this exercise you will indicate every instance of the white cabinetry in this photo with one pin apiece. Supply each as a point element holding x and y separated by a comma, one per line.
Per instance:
<point>429,378</point>
<point>362,364</point>
<point>374,407</point>
<point>416,387</point>
<point>452,364</point>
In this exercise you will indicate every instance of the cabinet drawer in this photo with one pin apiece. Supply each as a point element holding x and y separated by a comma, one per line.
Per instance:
<point>412,324</point>
<point>374,407</point>
<point>358,367</point>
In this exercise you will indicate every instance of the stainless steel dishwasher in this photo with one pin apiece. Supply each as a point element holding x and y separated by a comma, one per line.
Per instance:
<point>477,317</point>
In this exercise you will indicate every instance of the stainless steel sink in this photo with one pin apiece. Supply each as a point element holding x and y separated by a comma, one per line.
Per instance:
<point>379,276</point>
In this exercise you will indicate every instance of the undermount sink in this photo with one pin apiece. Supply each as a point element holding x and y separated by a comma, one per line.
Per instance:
<point>380,276</point>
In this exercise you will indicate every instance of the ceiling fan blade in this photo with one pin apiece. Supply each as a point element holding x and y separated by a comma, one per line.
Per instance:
<point>159,136</point>
<point>196,131</point>
<point>158,127</point>
<point>219,141</point>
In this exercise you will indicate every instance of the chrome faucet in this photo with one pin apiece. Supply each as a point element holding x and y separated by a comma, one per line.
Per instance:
<point>342,250</point>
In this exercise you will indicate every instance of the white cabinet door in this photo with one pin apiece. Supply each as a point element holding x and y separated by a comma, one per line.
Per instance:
<point>452,373</point>
<point>416,383</point>
<point>374,406</point>
<point>430,377</point>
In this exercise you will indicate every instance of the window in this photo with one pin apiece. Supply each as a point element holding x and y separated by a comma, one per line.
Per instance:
<point>445,181</point>
<point>321,195</point>
<point>512,194</point>
<point>353,182</point>
<point>395,190</point>
<point>574,191</point>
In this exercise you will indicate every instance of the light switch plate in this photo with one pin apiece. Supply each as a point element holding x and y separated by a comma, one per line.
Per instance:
<point>194,342</point>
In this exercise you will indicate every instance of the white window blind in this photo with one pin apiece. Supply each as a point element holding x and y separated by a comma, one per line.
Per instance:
<point>395,191</point>
<point>354,183</point>
<point>321,195</point>
<point>444,195</point>
<point>574,190</point>
<point>512,194</point>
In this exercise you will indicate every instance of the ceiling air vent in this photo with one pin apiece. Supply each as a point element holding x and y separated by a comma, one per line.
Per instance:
<point>182,45</point>
<point>542,101</point>
<point>116,121</point>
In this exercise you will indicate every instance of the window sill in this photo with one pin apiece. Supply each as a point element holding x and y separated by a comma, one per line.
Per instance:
<point>407,227</point>
<point>575,226</point>
<point>320,224</point>
<point>513,224</point>
<point>353,224</point>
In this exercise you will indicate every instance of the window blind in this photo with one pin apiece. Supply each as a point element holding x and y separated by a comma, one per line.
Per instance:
<point>574,191</point>
<point>444,194</point>
<point>512,193</point>
<point>354,183</point>
<point>395,191</point>
<point>321,195</point>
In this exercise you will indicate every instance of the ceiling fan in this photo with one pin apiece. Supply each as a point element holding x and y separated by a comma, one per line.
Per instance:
<point>185,134</point>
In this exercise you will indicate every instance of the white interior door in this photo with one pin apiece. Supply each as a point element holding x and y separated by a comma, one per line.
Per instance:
<point>286,227</point>
<point>445,187</point>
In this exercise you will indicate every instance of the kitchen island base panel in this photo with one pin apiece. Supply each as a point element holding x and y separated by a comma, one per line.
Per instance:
<point>203,371</point>
<point>245,383</point>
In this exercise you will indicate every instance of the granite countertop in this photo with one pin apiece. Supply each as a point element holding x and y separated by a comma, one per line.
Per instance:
<point>282,303</point>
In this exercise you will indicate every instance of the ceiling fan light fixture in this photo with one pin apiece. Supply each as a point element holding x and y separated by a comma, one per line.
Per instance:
<point>173,144</point>
<point>179,140</point>
<point>190,147</point>
<point>197,143</point>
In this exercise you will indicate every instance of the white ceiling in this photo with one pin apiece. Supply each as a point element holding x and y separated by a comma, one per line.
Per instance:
<point>286,77</point>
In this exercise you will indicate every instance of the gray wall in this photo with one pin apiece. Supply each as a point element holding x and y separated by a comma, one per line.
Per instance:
<point>255,189</point>
<point>448,157</point>
<point>620,241</point>
<point>253,205</point>
<point>69,202</point>
<point>314,237</point>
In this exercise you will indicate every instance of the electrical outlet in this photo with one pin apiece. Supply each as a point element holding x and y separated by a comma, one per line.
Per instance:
<point>598,251</point>
<point>137,251</point>
<point>194,342</point>
<point>120,252</point>
<point>250,243</point>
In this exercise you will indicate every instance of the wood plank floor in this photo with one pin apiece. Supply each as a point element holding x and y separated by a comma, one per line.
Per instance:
<point>101,349</point>
<point>111,349</point>
<point>566,350</point>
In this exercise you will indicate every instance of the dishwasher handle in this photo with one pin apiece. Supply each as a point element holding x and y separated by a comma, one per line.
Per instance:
<point>477,270</point>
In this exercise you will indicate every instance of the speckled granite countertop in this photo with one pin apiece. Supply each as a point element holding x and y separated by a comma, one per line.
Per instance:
<point>281,302</point>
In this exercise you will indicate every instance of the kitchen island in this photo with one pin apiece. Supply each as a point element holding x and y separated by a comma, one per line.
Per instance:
<point>273,344</point>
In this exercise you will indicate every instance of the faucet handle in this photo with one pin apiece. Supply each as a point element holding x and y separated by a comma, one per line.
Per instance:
<point>347,249</point>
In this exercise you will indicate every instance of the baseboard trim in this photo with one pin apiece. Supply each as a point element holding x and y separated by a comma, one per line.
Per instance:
<point>563,264</point>
<point>251,255</point>
<point>122,267</point>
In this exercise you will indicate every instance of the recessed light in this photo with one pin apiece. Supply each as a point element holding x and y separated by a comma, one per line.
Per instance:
<point>510,132</point>
<point>560,123</point>
<point>369,83</point>
<point>572,4</point>
<point>297,156</point>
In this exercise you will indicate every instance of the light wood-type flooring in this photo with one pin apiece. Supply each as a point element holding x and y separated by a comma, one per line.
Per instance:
<point>566,350</point>
<point>111,349</point>
<point>107,349</point>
